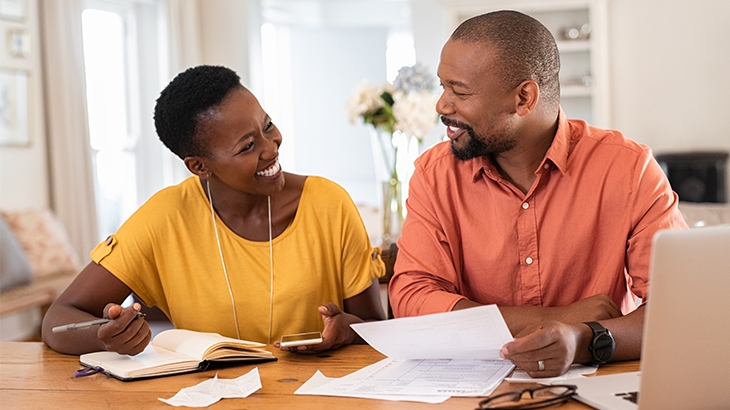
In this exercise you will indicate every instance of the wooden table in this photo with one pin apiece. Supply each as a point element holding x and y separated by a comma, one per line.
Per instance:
<point>34,376</point>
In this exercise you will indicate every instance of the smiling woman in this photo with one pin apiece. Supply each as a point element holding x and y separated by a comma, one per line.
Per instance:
<point>241,239</point>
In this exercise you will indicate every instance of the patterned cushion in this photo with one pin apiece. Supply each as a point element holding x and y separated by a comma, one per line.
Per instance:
<point>44,241</point>
<point>15,269</point>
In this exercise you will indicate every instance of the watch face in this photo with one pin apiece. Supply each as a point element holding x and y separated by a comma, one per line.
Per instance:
<point>603,347</point>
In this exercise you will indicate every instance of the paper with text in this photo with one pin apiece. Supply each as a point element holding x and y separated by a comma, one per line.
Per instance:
<point>429,358</point>
<point>475,333</point>
<point>319,380</point>
<point>424,378</point>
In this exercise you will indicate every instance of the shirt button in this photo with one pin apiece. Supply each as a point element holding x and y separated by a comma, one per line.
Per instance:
<point>525,205</point>
<point>546,166</point>
<point>529,261</point>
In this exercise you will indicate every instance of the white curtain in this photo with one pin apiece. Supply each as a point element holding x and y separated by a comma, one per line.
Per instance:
<point>183,35</point>
<point>72,179</point>
<point>184,50</point>
<point>72,184</point>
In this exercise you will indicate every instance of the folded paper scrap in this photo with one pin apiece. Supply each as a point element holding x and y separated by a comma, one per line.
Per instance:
<point>212,390</point>
<point>430,358</point>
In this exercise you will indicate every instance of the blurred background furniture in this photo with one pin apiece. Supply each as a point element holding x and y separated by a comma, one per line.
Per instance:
<point>697,176</point>
<point>704,214</point>
<point>37,263</point>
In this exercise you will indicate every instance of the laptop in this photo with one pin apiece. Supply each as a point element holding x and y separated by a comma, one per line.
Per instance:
<point>685,358</point>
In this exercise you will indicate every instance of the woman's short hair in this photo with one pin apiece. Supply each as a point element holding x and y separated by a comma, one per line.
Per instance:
<point>185,101</point>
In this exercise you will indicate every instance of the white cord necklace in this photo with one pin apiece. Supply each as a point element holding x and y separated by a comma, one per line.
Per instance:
<point>225,271</point>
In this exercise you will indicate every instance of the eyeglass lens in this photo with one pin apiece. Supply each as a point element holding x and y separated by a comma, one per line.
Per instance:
<point>529,398</point>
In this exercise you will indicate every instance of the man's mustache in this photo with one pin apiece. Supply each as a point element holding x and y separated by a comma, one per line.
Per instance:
<point>453,123</point>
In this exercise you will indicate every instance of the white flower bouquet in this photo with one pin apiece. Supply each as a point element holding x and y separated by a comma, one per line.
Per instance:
<point>408,105</point>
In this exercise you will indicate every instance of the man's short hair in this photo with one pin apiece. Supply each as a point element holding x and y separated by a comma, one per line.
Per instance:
<point>184,102</point>
<point>525,49</point>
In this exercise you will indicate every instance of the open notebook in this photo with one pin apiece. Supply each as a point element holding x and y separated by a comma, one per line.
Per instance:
<point>684,359</point>
<point>177,351</point>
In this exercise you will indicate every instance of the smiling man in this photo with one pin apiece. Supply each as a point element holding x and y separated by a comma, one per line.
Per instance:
<point>550,219</point>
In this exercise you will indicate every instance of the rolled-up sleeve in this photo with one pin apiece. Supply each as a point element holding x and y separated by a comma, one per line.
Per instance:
<point>425,276</point>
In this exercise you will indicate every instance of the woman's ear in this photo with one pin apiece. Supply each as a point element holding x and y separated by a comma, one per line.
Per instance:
<point>197,167</point>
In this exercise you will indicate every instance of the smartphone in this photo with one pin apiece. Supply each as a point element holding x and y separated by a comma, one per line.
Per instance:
<point>300,339</point>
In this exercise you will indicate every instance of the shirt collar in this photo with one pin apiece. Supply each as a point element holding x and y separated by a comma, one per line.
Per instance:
<point>560,148</point>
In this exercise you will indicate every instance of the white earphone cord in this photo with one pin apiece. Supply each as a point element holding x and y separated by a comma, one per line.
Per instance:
<point>271,275</point>
<point>223,263</point>
<point>225,271</point>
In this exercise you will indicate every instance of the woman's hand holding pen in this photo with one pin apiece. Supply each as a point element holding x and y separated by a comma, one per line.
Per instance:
<point>125,333</point>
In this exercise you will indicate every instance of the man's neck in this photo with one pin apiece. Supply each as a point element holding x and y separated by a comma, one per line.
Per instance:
<point>518,165</point>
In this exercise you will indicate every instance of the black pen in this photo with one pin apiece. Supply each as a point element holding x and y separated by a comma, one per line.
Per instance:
<point>84,325</point>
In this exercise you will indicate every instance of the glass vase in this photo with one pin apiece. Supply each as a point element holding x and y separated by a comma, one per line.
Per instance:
<point>393,216</point>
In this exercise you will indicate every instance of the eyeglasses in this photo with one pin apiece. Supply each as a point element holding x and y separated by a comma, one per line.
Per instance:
<point>539,398</point>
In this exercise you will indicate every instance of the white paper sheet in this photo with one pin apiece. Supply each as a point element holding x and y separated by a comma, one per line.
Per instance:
<point>421,378</point>
<point>476,333</point>
<point>210,391</point>
<point>432,356</point>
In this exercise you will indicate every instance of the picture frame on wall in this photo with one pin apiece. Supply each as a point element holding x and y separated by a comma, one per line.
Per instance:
<point>14,107</point>
<point>18,42</point>
<point>12,9</point>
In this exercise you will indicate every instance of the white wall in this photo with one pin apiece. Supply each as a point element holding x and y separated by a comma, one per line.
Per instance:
<point>24,170</point>
<point>670,61</point>
<point>227,31</point>
<point>327,63</point>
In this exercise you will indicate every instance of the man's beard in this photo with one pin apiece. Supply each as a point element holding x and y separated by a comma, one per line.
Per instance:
<point>478,146</point>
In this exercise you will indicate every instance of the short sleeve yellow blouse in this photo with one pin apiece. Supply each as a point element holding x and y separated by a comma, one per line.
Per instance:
<point>167,253</point>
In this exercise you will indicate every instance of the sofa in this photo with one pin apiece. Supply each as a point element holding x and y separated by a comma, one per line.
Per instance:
<point>704,214</point>
<point>37,263</point>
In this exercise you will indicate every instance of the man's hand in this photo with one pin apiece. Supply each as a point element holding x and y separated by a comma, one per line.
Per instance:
<point>126,333</point>
<point>553,343</point>
<point>337,331</point>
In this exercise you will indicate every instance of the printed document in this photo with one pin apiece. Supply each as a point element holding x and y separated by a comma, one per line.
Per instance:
<point>430,358</point>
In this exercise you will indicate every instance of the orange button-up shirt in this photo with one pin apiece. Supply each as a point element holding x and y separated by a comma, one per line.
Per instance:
<point>585,226</point>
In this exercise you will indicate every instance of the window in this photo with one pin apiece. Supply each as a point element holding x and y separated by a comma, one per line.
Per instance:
<point>122,71</point>
<point>399,53</point>
<point>112,137</point>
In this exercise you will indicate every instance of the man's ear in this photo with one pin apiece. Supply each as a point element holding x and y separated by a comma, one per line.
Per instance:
<point>528,93</point>
<point>197,167</point>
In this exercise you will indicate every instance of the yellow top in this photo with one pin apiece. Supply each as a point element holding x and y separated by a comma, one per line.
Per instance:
<point>167,253</point>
